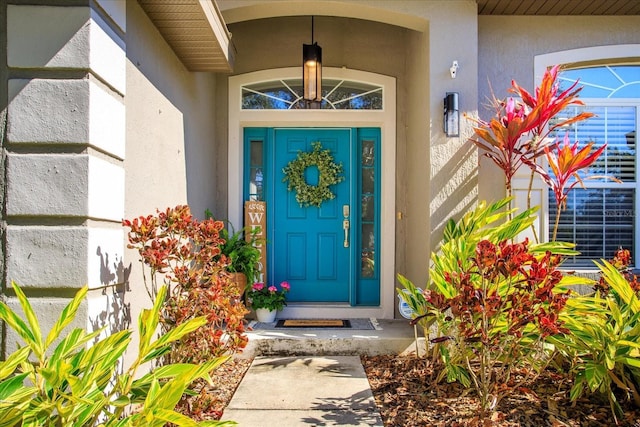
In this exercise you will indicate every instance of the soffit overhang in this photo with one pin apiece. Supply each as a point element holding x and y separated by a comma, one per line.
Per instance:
<point>196,32</point>
<point>559,7</point>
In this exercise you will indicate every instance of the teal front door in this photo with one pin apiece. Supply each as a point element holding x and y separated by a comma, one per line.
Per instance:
<point>328,254</point>
<point>312,245</point>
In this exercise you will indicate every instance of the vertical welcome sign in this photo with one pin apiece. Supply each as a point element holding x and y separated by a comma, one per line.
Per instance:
<point>255,216</point>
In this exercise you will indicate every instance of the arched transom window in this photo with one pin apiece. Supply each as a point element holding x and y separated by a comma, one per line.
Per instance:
<point>619,81</point>
<point>286,94</point>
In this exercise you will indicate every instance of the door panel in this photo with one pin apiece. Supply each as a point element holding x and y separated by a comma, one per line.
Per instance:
<point>308,242</point>
<point>305,246</point>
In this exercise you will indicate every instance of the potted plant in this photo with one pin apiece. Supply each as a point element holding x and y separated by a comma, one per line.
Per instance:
<point>241,252</point>
<point>268,300</point>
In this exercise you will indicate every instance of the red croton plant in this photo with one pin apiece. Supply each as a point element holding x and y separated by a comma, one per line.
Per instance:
<point>494,301</point>
<point>527,295</point>
<point>506,302</point>
<point>517,133</point>
<point>184,253</point>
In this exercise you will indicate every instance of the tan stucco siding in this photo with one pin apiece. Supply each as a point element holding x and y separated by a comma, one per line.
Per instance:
<point>170,134</point>
<point>170,125</point>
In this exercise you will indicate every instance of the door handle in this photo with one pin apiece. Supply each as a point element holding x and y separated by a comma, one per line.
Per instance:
<point>345,224</point>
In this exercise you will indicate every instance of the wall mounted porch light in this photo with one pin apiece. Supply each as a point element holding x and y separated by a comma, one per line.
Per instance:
<point>312,70</point>
<point>451,114</point>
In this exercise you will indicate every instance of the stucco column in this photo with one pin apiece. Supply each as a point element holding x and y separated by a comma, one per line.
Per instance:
<point>64,148</point>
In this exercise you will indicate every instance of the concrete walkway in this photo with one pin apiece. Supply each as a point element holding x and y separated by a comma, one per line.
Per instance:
<point>304,391</point>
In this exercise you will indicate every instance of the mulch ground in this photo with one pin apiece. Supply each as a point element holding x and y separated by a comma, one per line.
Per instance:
<point>407,394</point>
<point>210,400</point>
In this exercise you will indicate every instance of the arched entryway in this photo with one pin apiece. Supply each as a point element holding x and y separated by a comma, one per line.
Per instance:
<point>349,133</point>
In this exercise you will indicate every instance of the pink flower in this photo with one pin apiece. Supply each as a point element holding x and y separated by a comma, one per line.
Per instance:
<point>273,289</point>
<point>258,286</point>
<point>285,286</point>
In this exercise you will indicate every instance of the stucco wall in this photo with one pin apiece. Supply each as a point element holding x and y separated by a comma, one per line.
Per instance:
<point>170,125</point>
<point>508,46</point>
<point>4,72</point>
<point>170,134</point>
<point>452,36</point>
<point>64,148</point>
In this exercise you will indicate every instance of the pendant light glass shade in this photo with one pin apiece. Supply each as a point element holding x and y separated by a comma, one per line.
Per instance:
<point>312,72</point>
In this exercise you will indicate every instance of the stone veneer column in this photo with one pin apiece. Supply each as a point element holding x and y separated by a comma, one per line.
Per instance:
<point>64,148</point>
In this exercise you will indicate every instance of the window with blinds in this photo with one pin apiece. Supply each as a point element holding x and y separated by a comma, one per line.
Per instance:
<point>602,216</point>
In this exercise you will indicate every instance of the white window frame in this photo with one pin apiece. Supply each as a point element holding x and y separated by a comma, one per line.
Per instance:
<point>585,57</point>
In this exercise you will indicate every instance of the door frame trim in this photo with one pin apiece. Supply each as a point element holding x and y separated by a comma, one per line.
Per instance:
<point>384,119</point>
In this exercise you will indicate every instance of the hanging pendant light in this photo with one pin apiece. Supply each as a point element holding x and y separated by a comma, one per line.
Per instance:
<point>312,70</point>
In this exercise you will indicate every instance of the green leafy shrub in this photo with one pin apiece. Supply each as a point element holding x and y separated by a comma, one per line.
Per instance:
<point>495,300</point>
<point>184,254</point>
<point>603,346</point>
<point>74,384</point>
<point>241,253</point>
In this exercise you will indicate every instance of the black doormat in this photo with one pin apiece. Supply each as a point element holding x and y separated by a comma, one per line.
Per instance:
<point>313,323</point>
<point>352,324</point>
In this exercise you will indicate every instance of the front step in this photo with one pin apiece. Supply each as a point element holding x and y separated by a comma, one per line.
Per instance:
<point>389,337</point>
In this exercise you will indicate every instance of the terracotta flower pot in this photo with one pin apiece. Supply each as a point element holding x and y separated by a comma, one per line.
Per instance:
<point>240,280</point>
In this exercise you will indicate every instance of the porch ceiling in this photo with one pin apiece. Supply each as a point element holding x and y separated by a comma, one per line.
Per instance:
<point>195,31</point>
<point>558,7</point>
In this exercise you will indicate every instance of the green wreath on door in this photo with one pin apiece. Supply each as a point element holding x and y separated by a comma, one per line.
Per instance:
<point>330,173</point>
